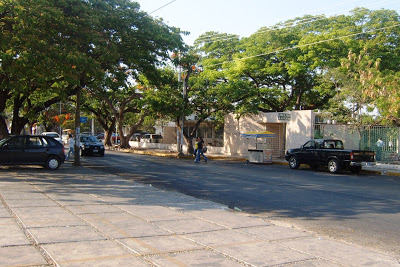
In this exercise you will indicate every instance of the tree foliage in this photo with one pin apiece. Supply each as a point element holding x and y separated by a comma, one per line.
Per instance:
<point>51,49</point>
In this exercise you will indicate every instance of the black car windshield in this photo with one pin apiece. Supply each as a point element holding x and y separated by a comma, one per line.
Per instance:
<point>89,139</point>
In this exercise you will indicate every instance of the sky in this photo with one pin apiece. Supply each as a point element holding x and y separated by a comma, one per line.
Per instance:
<point>245,17</point>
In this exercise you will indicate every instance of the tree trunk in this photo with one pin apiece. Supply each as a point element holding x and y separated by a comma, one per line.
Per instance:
<point>3,128</point>
<point>18,125</point>
<point>108,133</point>
<point>189,142</point>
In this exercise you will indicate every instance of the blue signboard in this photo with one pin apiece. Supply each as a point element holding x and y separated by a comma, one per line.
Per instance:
<point>83,120</point>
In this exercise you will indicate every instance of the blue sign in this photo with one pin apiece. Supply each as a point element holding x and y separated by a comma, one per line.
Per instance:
<point>83,120</point>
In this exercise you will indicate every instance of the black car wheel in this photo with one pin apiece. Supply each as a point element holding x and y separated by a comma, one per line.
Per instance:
<point>333,166</point>
<point>53,163</point>
<point>294,162</point>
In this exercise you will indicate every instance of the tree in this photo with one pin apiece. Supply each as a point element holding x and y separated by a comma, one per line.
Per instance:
<point>208,94</point>
<point>40,65</point>
<point>87,41</point>
<point>368,75</point>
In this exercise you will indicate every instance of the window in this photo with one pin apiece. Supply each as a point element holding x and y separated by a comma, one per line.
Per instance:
<point>34,141</point>
<point>16,142</point>
<point>309,144</point>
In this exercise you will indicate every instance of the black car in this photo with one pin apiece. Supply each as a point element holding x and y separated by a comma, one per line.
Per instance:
<point>90,145</point>
<point>32,150</point>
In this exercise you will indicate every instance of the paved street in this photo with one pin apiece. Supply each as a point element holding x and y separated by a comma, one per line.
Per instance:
<point>80,217</point>
<point>360,209</point>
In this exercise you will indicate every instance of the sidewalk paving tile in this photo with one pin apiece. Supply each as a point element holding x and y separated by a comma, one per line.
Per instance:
<point>199,205</point>
<point>194,258</point>
<point>274,232</point>
<point>222,238</point>
<point>91,253</point>
<point>11,234</point>
<point>160,244</point>
<point>21,256</point>
<point>46,216</point>
<point>315,263</point>
<point>45,202</point>
<point>263,253</point>
<point>124,260</point>
<point>229,218</point>
<point>187,226</point>
<point>68,197</point>
<point>123,225</point>
<point>64,234</point>
<point>4,212</point>
<point>94,208</point>
<point>154,212</point>
<point>340,252</point>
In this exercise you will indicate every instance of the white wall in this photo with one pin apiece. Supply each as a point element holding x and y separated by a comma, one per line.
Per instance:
<point>346,133</point>
<point>172,147</point>
<point>299,129</point>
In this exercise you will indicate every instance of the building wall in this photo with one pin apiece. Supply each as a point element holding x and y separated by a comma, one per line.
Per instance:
<point>300,128</point>
<point>346,133</point>
<point>169,135</point>
<point>298,124</point>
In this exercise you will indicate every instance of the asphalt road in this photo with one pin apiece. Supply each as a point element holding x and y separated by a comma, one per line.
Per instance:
<point>361,209</point>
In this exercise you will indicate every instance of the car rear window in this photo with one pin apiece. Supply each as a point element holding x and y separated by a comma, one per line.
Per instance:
<point>49,142</point>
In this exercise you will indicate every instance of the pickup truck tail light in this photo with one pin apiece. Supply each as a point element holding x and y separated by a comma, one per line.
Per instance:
<point>351,156</point>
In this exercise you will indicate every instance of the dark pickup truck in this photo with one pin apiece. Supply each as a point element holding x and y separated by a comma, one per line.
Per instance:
<point>330,153</point>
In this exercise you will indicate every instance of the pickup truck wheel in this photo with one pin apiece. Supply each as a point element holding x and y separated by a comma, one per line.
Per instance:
<point>294,162</point>
<point>355,169</point>
<point>333,166</point>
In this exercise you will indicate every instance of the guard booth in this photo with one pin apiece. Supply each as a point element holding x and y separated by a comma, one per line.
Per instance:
<point>261,150</point>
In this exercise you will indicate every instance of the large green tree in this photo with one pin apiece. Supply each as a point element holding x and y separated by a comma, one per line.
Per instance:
<point>50,50</point>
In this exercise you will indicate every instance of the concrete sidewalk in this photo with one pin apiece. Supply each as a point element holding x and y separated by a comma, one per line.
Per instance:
<point>80,217</point>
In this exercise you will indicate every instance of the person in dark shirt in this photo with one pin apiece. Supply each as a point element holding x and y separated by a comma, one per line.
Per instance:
<point>199,150</point>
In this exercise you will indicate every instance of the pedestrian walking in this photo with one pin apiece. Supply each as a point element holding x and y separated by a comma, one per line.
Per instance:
<point>199,150</point>
<point>71,144</point>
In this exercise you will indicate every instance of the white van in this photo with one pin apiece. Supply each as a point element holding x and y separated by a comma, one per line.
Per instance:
<point>152,138</point>
<point>54,135</point>
<point>65,134</point>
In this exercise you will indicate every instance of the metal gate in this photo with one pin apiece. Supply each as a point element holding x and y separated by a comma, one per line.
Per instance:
<point>389,151</point>
<point>277,143</point>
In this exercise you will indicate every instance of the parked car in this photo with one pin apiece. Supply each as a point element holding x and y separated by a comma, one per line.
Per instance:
<point>90,145</point>
<point>113,136</point>
<point>54,135</point>
<point>32,150</point>
<point>152,138</point>
<point>65,134</point>
<point>330,153</point>
<point>100,136</point>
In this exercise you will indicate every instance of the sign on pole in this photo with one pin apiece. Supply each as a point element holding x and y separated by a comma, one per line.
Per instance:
<point>84,120</point>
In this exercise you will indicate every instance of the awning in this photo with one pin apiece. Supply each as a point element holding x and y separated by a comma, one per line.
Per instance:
<point>259,134</point>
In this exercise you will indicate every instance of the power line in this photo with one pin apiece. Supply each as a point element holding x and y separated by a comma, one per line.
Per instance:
<point>220,37</point>
<point>304,45</point>
<point>161,7</point>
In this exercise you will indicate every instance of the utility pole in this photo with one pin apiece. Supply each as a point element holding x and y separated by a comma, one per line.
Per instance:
<point>180,145</point>
<point>77,159</point>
